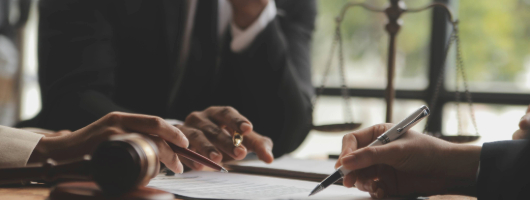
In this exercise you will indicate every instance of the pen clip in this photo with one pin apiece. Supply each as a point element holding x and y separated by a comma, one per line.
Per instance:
<point>423,114</point>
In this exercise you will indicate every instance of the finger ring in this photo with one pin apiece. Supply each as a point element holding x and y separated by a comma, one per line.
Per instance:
<point>237,139</point>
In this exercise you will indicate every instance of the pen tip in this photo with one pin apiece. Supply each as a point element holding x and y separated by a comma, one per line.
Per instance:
<point>316,190</point>
<point>224,170</point>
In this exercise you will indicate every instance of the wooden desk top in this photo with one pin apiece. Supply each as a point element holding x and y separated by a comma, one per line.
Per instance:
<point>41,192</point>
<point>32,192</point>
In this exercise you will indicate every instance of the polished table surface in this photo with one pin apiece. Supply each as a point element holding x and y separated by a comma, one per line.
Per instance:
<point>41,192</point>
<point>32,192</point>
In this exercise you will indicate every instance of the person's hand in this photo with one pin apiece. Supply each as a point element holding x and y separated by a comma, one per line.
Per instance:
<point>415,164</point>
<point>524,126</point>
<point>247,11</point>
<point>84,141</point>
<point>47,133</point>
<point>210,133</point>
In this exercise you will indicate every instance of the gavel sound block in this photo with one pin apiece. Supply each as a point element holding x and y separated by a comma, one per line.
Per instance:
<point>120,168</point>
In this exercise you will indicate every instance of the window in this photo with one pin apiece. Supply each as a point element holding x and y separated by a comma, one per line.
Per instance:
<point>495,47</point>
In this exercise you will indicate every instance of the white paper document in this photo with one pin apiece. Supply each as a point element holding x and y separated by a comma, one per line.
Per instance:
<point>215,185</point>
<point>292,164</point>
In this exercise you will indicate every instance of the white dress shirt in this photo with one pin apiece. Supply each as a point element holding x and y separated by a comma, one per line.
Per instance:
<point>16,146</point>
<point>241,39</point>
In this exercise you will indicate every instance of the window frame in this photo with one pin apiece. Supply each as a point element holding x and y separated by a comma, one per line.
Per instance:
<point>440,30</point>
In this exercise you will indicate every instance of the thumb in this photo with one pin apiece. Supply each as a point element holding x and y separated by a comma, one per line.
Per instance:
<point>525,122</point>
<point>369,156</point>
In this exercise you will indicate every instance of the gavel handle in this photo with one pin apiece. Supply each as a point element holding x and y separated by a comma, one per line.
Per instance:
<point>49,171</point>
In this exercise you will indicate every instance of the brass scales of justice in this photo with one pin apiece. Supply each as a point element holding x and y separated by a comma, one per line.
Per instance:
<point>393,12</point>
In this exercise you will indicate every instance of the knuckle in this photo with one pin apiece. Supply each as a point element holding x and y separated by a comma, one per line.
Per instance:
<point>225,110</point>
<point>379,129</point>
<point>214,130</point>
<point>258,142</point>
<point>193,117</point>
<point>267,140</point>
<point>114,117</point>
<point>194,134</point>
<point>156,122</point>
<point>207,148</point>
<point>372,152</point>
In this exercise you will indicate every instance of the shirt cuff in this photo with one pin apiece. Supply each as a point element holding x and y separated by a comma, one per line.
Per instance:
<point>241,39</point>
<point>16,146</point>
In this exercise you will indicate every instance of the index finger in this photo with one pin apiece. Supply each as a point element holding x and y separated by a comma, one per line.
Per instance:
<point>261,145</point>
<point>148,124</point>
<point>361,138</point>
<point>230,118</point>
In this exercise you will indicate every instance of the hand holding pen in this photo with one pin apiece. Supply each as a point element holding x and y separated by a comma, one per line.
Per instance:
<point>414,164</point>
<point>211,133</point>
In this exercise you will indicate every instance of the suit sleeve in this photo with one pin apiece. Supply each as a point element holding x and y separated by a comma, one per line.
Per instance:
<point>16,146</point>
<point>76,63</point>
<point>276,71</point>
<point>504,170</point>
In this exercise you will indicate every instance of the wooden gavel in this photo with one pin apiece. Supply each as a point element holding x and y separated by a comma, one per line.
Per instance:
<point>118,165</point>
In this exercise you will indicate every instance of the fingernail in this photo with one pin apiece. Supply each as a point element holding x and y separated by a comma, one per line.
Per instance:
<point>238,151</point>
<point>185,142</point>
<point>214,156</point>
<point>245,127</point>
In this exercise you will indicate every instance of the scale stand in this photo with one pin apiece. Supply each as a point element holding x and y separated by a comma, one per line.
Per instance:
<point>393,13</point>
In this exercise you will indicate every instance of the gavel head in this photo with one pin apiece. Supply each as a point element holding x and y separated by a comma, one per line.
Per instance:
<point>124,162</point>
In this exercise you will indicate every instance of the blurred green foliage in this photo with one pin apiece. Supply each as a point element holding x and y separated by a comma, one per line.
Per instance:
<point>495,37</point>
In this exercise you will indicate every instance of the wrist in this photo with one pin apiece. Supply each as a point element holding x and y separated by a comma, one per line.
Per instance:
<point>463,168</point>
<point>41,152</point>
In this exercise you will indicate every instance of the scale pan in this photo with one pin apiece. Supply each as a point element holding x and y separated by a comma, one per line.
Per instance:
<point>337,127</point>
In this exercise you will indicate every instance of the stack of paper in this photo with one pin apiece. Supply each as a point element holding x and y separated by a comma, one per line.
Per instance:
<point>215,185</point>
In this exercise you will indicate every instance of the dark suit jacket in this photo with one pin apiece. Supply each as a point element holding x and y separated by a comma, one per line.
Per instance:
<point>504,170</point>
<point>99,56</point>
